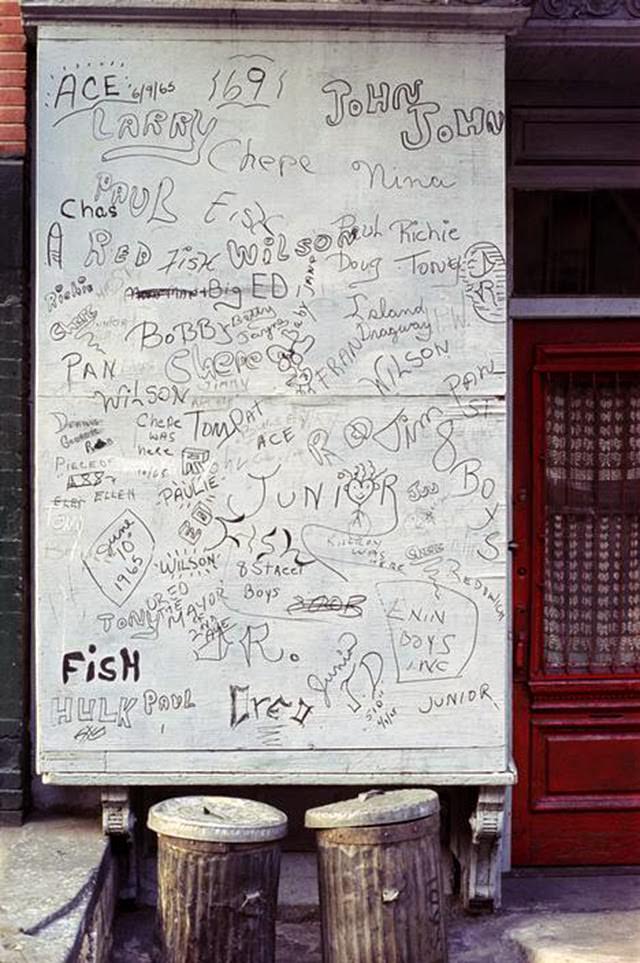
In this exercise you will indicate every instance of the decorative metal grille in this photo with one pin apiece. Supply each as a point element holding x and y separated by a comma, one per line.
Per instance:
<point>592,523</point>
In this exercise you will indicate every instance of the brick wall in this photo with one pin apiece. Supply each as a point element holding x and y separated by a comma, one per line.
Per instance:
<point>12,80</point>
<point>13,419</point>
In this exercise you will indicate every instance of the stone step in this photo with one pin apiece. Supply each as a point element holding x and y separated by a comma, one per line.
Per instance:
<point>581,938</point>
<point>57,890</point>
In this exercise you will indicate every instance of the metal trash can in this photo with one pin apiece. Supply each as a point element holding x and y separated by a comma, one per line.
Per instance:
<point>218,870</point>
<point>380,878</point>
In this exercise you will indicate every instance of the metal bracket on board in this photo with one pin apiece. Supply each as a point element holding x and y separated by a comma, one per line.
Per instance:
<point>118,821</point>
<point>117,816</point>
<point>482,890</point>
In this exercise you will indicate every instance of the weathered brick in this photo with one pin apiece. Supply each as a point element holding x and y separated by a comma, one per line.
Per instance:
<point>11,728</point>
<point>12,661</point>
<point>10,41</point>
<point>11,213</point>
<point>14,394</point>
<point>10,23</point>
<point>10,779</point>
<point>12,454</point>
<point>10,502</point>
<point>10,368</point>
<point>12,458</point>
<point>10,480</point>
<point>12,398</point>
<point>12,307</point>
<point>15,147</point>
<point>13,526</point>
<point>12,334</point>
<point>11,801</point>
<point>12,671</point>
<point>12,817</point>
<point>12,294</point>
<point>12,344</point>
<point>11,95</point>
<point>10,750</point>
<point>11,699</point>
<point>11,431</point>
<point>12,133</point>
<point>13,290</point>
<point>12,60</point>
<point>10,566</point>
<point>10,584</point>
<point>13,438</point>
<point>12,652</point>
<point>11,426</point>
<point>9,666</point>
<point>11,114</point>
<point>14,548</point>
<point>13,78</point>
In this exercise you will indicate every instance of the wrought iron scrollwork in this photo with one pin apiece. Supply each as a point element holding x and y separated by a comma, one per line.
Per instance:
<point>585,9</point>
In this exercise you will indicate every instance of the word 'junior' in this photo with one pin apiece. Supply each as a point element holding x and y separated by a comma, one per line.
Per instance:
<point>382,97</point>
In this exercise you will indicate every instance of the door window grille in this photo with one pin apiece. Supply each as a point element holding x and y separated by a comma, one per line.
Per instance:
<point>591,471</point>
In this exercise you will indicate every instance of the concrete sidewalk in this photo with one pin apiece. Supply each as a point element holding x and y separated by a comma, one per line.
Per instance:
<point>545,919</point>
<point>58,888</point>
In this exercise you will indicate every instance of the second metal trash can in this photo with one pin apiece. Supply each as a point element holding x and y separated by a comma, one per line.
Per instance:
<point>218,870</point>
<point>380,878</point>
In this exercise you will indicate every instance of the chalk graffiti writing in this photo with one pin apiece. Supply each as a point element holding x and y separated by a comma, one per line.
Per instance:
<point>270,395</point>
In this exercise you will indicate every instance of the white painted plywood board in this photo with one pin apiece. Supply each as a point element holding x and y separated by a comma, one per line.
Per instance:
<point>270,425</point>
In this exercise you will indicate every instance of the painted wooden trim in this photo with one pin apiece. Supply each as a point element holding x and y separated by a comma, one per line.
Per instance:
<point>585,177</point>
<point>554,147</point>
<point>551,308</point>
<point>501,16</point>
<point>249,777</point>
<point>590,32</point>
<point>587,357</point>
<point>531,93</point>
<point>528,148</point>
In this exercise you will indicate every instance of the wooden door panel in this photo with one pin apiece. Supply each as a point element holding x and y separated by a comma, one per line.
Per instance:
<point>584,764</point>
<point>576,581</point>
<point>566,839</point>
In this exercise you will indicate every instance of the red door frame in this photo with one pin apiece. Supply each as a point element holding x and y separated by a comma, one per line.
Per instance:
<point>585,826</point>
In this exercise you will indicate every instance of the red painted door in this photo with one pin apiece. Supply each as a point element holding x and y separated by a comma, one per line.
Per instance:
<point>576,593</point>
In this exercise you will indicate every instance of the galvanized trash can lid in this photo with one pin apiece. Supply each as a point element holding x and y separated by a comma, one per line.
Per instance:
<point>219,819</point>
<point>374,808</point>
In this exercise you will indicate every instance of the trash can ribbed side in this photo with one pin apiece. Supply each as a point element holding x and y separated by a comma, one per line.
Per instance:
<point>380,894</point>
<point>217,901</point>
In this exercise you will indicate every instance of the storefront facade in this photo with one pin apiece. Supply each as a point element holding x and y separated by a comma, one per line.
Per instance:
<point>574,202</point>
<point>451,472</point>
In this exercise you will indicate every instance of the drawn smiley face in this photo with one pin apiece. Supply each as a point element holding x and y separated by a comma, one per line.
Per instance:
<point>360,490</point>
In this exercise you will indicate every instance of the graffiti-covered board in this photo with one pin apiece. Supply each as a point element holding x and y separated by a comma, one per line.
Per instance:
<point>270,413</point>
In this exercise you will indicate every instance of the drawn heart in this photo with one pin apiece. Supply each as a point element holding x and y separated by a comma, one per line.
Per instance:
<point>359,491</point>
